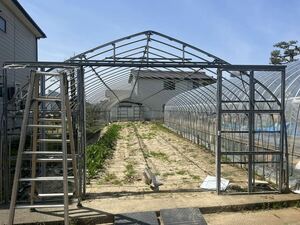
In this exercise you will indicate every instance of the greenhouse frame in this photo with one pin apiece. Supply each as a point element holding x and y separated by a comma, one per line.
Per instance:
<point>246,114</point>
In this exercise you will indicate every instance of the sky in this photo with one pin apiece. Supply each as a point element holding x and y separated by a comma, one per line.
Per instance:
<point>239,31</point>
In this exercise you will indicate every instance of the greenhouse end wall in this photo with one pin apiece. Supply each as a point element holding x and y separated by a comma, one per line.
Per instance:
<point>193,115</point>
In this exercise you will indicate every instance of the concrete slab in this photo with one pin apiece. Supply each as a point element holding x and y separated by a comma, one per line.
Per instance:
<point>103,210</point>
<point>139,218</point>
<point>287,216</point>
<point>186,216</point>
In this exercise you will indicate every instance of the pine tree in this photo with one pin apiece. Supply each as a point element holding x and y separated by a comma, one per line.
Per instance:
<point>286,52</point>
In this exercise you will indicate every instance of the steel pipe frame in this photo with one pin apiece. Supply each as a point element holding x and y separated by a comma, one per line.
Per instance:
<point>218,64</point>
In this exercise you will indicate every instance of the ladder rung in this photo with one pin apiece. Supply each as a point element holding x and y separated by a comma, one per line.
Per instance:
<point>48,74</point>
<point>52,140</point>
<point>47,99</point>
<point>45,178</point>
<point>38,206</point>
<point>51,160</point>
<point>53,195</point>
<point>50,120</point>
<point>43,152</point>
<point>44,126</point>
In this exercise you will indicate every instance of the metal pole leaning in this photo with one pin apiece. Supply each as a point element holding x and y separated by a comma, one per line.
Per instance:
<point>34,136</point>
<point>64,149</point>
<point>71,137</point>
<point>20,150</point>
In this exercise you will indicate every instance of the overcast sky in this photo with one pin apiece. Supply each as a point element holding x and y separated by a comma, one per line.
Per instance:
<point>239,31</point>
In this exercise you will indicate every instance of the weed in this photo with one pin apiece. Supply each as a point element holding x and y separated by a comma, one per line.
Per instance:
<point>129,172</point>
<point>148,136</point>
<point>109,177</point>
<point>168,174</point>
<point>159,155</point>
<point>195,177</point>
<point>211,161</point>
<point>117,182</point>
<point>181,172</point>
<point>225,159</point>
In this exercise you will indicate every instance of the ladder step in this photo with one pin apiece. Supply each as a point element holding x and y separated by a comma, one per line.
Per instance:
<point>53,195</point>
<point>50,120</point>
<point>47,99</point>
<point>51,160</point>
<point>43,152</point>
<point>44,126</point>
<point>48,74</point>
<point>51,140</point>
<point>45,178</point>
<point>38,206</point>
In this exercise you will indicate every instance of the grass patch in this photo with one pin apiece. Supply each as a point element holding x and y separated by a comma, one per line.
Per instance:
<point>109,177</point>
<point>159,155</point>
<point>130,173</point>
<point>195,177</point>
<point>158,126</point>
<point>149,135</point>
<point>181,172</point>
<point>168,174</point>
<point>97,153</point>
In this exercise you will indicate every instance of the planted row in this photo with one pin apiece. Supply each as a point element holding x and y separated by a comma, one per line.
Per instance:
<point>97,153</point>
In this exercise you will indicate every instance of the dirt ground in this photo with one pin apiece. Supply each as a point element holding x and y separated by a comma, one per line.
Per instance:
<point>275,217</point>
<point>179,164</point>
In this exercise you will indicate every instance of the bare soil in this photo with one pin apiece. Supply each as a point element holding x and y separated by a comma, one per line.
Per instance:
<point>179,164</point>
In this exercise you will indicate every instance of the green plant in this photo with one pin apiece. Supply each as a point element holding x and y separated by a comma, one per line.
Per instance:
<point>97,153</point>
<point>195,177</point>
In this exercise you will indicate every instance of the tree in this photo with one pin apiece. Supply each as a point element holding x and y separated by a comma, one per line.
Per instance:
<point>287,52</point>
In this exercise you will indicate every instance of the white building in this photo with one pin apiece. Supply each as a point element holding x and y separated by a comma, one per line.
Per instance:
<point>150,92</point>
<point>19,36</point>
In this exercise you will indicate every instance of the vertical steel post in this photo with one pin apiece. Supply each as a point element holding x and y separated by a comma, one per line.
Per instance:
<point>43,135</point>
<point>82,127</point>
<point>5,148</point>
<point>64,148</point>
<point>251,131</point>
<point>283,175</point>
<point>218,134</point>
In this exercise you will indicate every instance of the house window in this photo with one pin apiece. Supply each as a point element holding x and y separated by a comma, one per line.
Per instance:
<point>169,85</point>
<point>195,84</point>
<point>2,24</point>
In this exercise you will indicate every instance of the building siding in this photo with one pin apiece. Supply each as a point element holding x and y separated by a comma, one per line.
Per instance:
<point>17,43</point>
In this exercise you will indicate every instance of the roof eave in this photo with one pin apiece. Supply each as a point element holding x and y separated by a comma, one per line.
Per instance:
<point>16,6</point>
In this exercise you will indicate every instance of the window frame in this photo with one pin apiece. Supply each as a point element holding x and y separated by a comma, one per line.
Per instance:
<point>5,23</point>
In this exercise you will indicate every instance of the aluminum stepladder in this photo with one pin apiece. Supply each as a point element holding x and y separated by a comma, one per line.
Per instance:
<point>39,155</point>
